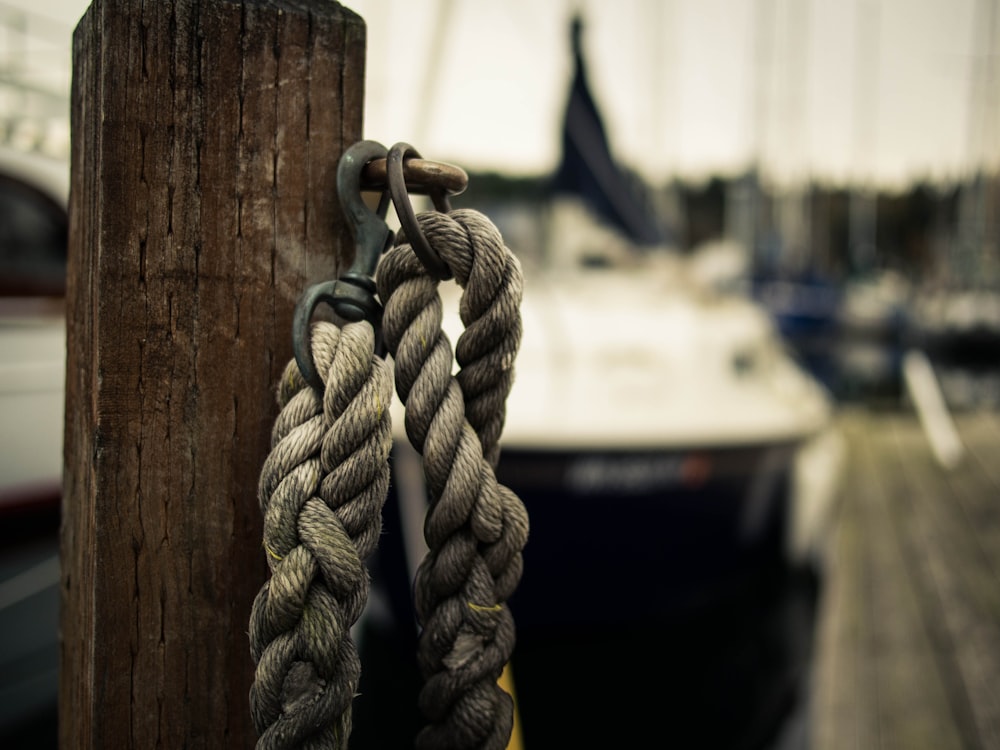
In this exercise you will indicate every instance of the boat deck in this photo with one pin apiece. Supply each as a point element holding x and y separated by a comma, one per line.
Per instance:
<point>908,639</point>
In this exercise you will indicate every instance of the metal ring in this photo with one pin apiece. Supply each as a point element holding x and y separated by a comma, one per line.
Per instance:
<point>422,177</point>
<point>404,210</point>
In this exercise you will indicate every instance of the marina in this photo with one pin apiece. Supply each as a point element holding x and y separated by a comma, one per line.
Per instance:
<point>754,428</point>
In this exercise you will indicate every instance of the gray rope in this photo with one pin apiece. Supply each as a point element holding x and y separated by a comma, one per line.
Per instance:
<point>324,483</point>
<point>475,528</point>
<point>321,491</point>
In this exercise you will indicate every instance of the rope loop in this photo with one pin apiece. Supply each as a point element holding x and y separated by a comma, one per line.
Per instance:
<point>323,485</point>
<point>475,529</point>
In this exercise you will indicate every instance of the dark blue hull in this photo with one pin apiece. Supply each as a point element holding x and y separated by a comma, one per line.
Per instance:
<point>633,537</point>
<point>656,599</point>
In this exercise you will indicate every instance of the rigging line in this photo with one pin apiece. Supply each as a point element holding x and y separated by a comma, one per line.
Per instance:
<point>432,74</point>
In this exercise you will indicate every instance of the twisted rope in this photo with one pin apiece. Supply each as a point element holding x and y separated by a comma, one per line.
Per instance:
<point>324,483</point>
<point>475,527</point>
<point>321,491</point>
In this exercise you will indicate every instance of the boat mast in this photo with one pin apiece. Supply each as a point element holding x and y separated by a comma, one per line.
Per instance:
<point>743,201</point>
<point>432,74</point>
<point>974,261</point>
<point>862,208</point>
<point>793,214</point>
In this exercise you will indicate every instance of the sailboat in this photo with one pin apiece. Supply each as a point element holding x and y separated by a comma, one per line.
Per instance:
<point>656,433</point>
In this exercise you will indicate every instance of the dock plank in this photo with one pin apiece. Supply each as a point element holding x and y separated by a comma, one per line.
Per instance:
<point>936,540</point>
<point>979,488</point>
<point>909,710</point>
<point>838,626</point>
<point>908,639</point>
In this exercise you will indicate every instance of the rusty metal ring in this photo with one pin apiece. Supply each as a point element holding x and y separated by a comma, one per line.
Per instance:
<point>395,176</point>
<point>423,177</point>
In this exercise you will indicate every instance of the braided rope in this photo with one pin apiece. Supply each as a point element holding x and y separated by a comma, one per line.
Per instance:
<point>324,483</point>
<point>321,491</point>
<point>475,528</point>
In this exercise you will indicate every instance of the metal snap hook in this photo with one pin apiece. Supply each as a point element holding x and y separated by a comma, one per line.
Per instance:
<point>352,296</point>
<point>372,235</point>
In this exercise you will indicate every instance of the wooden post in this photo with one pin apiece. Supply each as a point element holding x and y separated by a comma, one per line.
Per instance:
<point>205,142</point>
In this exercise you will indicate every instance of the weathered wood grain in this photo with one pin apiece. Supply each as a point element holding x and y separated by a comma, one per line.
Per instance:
<point>205,142</point>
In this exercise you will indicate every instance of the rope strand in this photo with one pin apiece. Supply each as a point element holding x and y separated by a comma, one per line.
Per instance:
<point>321,491</point>
<point>475,528</point>
<point>323,485</point>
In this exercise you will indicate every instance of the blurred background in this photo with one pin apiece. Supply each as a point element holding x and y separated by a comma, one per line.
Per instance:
<point>831,170</point>
<point>849,151</point>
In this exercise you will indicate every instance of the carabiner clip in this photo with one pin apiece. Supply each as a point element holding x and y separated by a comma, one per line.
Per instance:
<point>352,296</point>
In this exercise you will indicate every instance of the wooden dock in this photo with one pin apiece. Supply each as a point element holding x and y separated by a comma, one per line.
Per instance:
<point>908,639</point>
